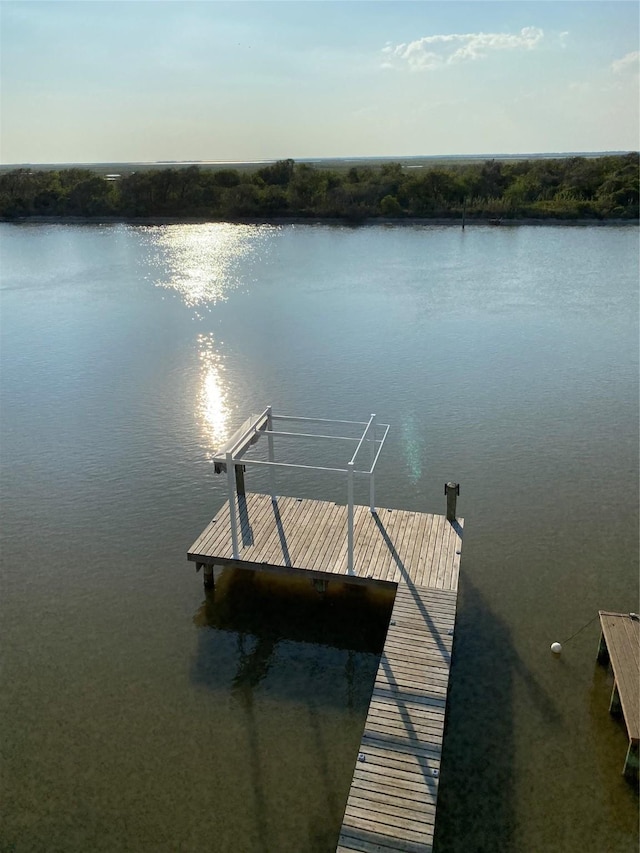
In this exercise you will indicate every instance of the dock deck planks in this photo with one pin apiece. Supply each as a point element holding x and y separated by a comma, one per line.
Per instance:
<point>393,795</point>
<point>620,643</point>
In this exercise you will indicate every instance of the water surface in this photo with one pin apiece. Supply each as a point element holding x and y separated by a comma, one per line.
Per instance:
<point>138,714</point>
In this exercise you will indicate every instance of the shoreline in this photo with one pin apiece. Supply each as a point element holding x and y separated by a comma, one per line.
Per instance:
<point>314,220</point>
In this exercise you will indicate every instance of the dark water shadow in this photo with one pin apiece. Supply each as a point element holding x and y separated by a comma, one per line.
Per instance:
<point>610,743</point>
<point>476,810</point>
<point>245,628</point>
<point>252,667</point>
<point>267,611</point>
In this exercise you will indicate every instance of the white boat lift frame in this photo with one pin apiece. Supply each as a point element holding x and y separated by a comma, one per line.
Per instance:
<point>232,453</point>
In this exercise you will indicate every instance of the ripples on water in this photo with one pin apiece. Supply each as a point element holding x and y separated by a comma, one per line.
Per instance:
<point>204,263</point>
<point>138,713</point>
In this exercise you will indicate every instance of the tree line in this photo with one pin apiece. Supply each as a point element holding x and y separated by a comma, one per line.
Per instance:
<point>565,188</point>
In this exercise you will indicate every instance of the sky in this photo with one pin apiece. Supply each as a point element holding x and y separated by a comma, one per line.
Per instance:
<point>109,82</point>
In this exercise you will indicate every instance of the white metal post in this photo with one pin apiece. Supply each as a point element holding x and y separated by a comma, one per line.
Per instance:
<point>350,467</point>
<point>232,505</point>
<point>372,482</point>
<point>272,457</point>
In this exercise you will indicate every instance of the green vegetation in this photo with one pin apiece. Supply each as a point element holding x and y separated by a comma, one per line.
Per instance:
<point>560,188</point>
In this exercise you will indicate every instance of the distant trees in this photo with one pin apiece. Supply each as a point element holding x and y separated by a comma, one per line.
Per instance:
<point>567,188</point>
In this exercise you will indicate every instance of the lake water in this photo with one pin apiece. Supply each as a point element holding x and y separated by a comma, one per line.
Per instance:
<point>139,714</point>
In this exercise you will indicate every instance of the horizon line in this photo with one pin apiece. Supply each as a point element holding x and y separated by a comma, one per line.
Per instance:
<point>223,162</point>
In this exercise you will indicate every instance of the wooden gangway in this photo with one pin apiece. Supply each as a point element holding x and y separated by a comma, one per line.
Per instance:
<point>393,795</point>
<point>620,645</point>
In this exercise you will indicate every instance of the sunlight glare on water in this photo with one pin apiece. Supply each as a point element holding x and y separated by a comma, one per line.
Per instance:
<point>213,398</point>
<point>202,263</point>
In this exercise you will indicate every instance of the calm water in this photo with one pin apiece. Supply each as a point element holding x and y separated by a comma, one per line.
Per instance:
<point>136,714</point>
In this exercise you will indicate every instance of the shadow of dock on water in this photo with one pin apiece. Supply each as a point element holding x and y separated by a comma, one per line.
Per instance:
<point>476,801</point>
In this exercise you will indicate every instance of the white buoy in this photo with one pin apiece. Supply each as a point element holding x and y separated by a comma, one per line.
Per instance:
<point>556,648</point>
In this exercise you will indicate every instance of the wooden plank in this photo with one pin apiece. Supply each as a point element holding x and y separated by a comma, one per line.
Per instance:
<point>362,533</point>
<point>404,544</point>
<point>380,554</point>
<point>363,790</point>
<point>398,825</point>
<point>379,520</point>
<point>413,809</point>
<point>417,834</point>
<point>272,551</point>
<point>426,813</point>
<point>415,789</point>
<point>352,839</point>
<point>417,716</point>
<point>336,541</point>
<point>453,570</point>
<point>419,792</point>
<point>373,543</point>
<point>622,636</point>
<point>317,534</point>
<point>298,530</point>
<point>259,521</point>
<point>424,523</point>
<point>387,566</point>
<point>407,765</point>
<point>434,553</point>
<point>422,569</point>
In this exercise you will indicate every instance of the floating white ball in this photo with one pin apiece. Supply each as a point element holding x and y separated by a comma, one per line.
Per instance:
<point>556,648</point>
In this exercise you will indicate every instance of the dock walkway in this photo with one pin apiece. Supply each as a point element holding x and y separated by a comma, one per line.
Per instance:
<point>393,796</point>
<point>620,644</point>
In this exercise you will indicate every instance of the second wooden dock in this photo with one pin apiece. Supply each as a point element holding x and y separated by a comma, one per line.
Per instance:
<point>620,646</point>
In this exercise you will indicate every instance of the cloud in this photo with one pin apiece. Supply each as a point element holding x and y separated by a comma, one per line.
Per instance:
<point>627,63</point>
<point>432,52</point>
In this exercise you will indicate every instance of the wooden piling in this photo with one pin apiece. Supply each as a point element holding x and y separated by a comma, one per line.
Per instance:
<point>239,479</point>
<point>451,490</point>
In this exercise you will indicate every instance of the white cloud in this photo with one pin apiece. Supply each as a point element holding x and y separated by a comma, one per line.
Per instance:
<point>432,52</point>
<point>627,63</point>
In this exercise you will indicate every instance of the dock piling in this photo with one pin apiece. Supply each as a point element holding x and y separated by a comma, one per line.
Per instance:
<point>451,490</point>
<point>240,489</point>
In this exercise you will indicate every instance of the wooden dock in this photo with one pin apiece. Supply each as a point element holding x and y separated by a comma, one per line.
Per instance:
<point>620,644</point>
<point>393,796</point>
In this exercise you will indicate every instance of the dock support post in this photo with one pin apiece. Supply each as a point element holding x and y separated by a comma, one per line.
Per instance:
<point>232,506</point>
<point>208,576</point>
<point>614,704</point>
<point>451,490</point>
<point>631,762</point>
<point>240,479</point>
<point>350,467</point>
<point>603,651</point>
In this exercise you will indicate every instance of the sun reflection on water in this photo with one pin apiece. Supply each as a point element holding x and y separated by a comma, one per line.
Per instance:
<point>213,399</point>
<point>203,263</point>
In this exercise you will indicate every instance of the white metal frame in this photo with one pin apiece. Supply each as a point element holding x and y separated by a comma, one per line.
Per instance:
<point>232,453</point>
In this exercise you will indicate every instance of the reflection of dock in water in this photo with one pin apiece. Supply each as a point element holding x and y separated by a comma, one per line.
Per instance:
<point>393,795</point>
